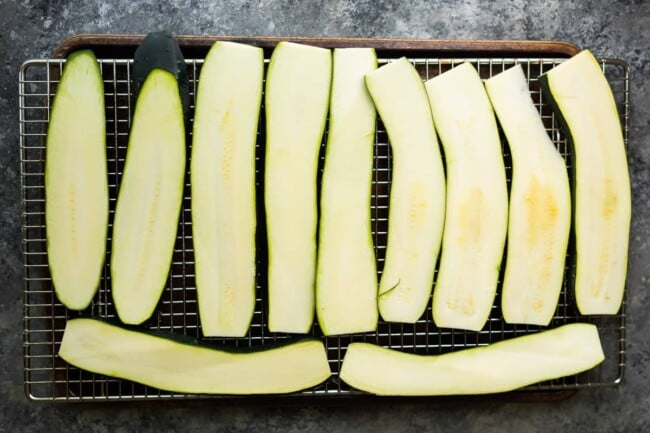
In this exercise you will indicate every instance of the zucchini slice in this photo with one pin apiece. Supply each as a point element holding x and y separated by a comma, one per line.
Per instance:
<point>222,171</point>
<point>417,194</point>
<point>583,100</point>
<point>540,205</point>
<point>76,182</point>
<point>150,195</point>
<point>346,275</point>
<point>499,367</point>
<point>296,101</point>
<point>477,199</point>
<point>171,363</point>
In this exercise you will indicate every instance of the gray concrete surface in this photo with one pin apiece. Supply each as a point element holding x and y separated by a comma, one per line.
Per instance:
<point>33,28</point>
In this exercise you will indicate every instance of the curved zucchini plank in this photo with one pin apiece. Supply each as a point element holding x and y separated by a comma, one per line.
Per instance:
<point>417,195</point>
<point>76,182</point>
<point>151,193</point>
<point>583,100</point>
<point>499,367</point>
<point>296,101</point>
<point>172,365</point>
<point>477,199</point>
<point>223,187</point>
<point>346,275</point>
<point>540,205</point>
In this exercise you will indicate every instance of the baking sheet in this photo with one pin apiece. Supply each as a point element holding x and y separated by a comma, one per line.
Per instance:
<point>48,377</point>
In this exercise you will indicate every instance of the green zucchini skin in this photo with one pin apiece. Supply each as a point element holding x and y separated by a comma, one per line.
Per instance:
<point>159,50</point>
<point>176,363</point>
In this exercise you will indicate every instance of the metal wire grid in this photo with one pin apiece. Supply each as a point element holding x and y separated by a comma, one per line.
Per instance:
<point>47,377</point>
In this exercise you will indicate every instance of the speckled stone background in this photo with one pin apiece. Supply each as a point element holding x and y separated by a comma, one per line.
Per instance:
<point>33,28</point>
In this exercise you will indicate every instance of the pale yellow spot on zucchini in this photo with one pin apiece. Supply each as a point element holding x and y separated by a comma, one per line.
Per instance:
<point>72,207</point>
<point>227,304</point>
<point>227,129</point>
<point>470,214</point>
<point>608,211</point>
<point>542,214</point>
<point>542,210</point>
<point>603,268</point>
<point>467,307</point>
<point>149,234</point>
<point>470,218</point>
<point>405,293</point>
<point>610,201</point>
<point>417,206</point>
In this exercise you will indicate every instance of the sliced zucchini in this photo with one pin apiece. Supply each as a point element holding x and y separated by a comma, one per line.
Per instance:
<point>296,102</point>
<point>477,199</point>
<point>499,367</point>
<point>417,194</point>
<point>346,275</point>
<point>76,182</point>
<point>583,100</point>
<point>222,171</point>
<point>171,363</point>
<point>150,195</point>
<point>540,205</point>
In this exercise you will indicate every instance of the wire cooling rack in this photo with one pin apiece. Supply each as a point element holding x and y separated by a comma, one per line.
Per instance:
<point>48,377</point>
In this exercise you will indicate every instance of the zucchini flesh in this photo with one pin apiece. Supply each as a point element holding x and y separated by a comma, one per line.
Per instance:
<point>173,365</point>
<point>223,187</point>
<point>477,199</point>
<point>346,275</point>
<point>499,367</point>
<point>540,205</point>
<point>581,96</point>
<point>417,195</point>
<point>76,182</point>
<point>149,200</point>
<point>296,101</point>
